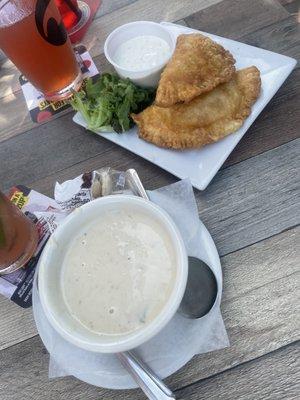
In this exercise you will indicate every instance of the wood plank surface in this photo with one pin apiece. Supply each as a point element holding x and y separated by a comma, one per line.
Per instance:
<point>237,17</point>
<point>279,32</point>
<point>253,200</point>
<point>280,37</point>
<point>232,206</point>
<point>275,376</point>
<point>259,281</point>
<point>16,323</point>
<point>271,129</point>
<point>292,6</point>
<point>108,6</point>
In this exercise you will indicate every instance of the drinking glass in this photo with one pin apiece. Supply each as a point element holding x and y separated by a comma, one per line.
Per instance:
<point>34,37</point>
<point>18,237</point>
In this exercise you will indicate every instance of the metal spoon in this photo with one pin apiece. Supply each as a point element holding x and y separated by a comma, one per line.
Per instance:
<point>151,385</point>
<point>201,289</point>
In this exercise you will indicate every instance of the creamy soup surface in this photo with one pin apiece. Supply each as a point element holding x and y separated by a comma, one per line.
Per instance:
<point>118,272</point>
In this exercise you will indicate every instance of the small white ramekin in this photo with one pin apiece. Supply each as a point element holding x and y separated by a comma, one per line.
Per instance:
<point>148,77</point>
<point>50,271</point>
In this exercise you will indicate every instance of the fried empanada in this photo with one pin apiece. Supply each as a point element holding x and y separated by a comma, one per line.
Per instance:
<point>197,66</point>
<point>206,119</point>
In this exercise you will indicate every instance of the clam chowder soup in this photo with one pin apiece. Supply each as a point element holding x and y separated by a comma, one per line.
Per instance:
<point>118,272</point>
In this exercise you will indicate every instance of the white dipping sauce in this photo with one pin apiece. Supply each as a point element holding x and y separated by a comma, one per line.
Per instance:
<point>118,273</point>
<point>142,52</point>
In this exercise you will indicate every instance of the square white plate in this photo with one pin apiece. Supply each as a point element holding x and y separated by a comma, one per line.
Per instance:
<point>201,165</point>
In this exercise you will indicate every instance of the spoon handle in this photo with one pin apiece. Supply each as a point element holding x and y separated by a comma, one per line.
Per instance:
<point>136,184</point>
<point>152,385</point>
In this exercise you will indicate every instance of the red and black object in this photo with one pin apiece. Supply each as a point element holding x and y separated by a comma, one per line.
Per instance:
<point>77,16</point>
<point>70,12</point>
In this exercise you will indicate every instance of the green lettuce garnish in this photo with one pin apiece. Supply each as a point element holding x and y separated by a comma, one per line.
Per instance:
<point>107,104</point>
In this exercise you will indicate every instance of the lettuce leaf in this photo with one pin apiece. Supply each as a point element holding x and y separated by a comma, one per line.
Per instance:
<point>108,103</point>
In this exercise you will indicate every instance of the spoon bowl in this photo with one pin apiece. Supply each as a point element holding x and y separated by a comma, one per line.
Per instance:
<point>201,290</point>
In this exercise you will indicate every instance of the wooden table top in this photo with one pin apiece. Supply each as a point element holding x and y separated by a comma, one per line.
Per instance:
<point>251,209</point>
